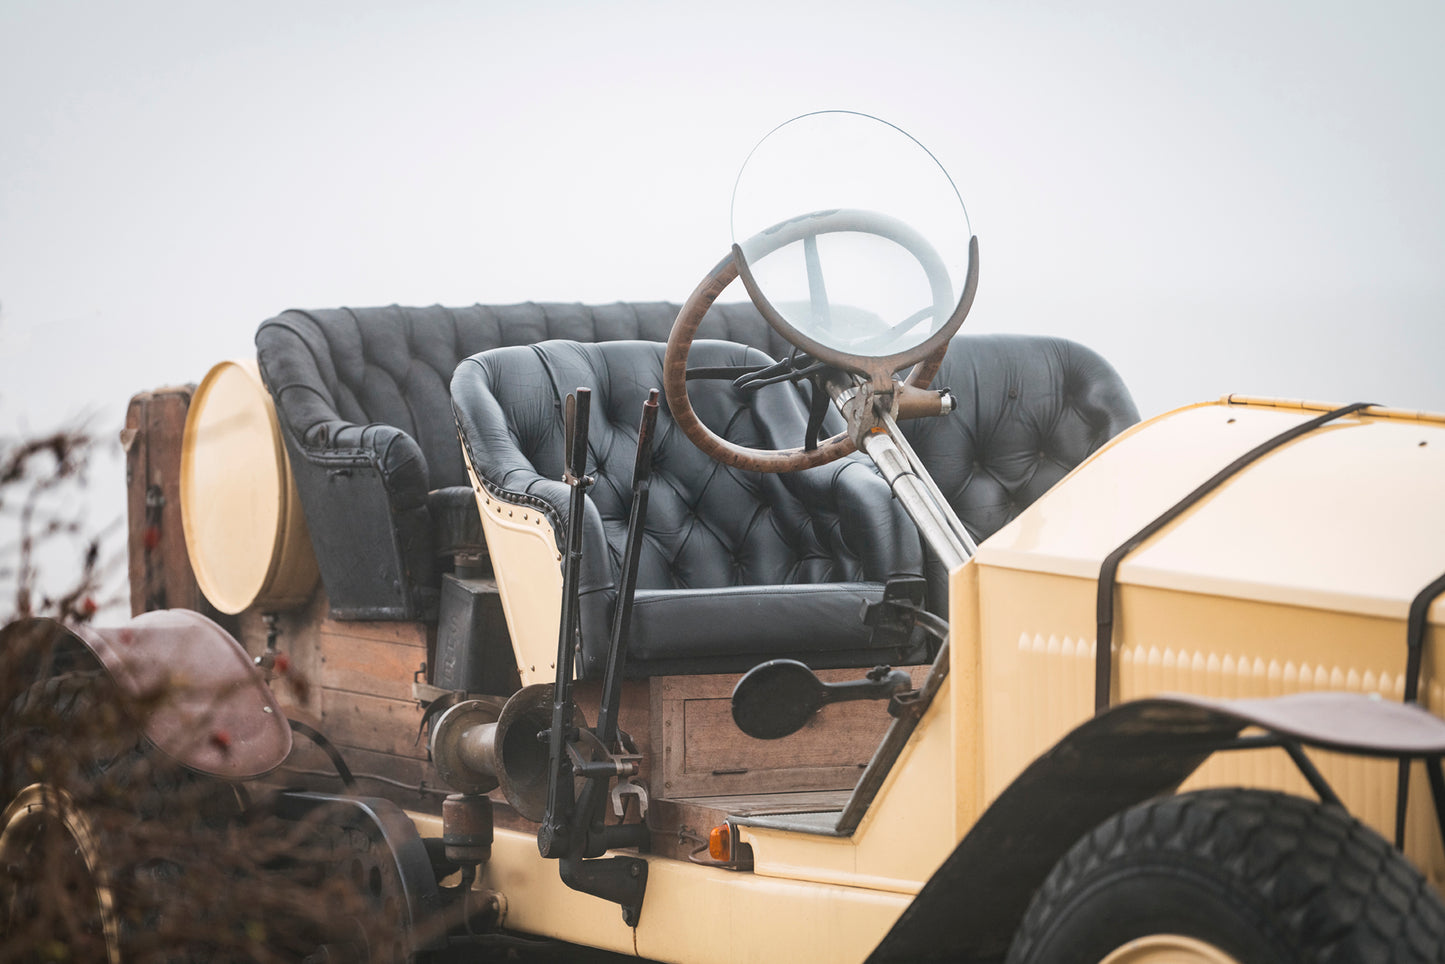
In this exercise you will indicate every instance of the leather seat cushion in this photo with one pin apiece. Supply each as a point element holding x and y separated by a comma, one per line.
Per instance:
<point>732,629</point>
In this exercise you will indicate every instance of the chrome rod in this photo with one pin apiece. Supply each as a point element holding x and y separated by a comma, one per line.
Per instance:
<point>931,518</point>
<point>906,447</point>
<point>877,434</point>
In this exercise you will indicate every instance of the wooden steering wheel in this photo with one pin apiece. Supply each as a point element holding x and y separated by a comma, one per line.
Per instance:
<point>925,357</point>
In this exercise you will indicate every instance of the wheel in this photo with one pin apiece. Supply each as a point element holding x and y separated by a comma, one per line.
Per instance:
<point>111,849</point>
<point>56,892</point>
<point>1168,949</point>
<point>100,830</point>
<point>1232,877</point>
<point>925,357</point>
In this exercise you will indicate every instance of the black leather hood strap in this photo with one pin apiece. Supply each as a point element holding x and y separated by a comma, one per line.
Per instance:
<point>1108,572</point>
<point>1415,626</point>
<point>1415,635</point>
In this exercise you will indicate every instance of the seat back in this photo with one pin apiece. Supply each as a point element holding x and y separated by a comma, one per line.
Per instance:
<point>1030,408</point>
<point>393,365</point>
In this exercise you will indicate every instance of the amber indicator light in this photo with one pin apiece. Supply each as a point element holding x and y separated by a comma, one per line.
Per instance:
<point>720,843</point>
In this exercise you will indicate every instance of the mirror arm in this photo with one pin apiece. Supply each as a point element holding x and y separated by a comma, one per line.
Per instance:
<point>881,683</point>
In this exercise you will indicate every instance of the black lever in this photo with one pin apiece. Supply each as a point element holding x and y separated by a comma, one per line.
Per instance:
<point>627,577</point>
<point>574,828</point>
<point>556,822</point>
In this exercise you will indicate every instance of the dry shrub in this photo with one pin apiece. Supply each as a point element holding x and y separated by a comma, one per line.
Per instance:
<point>110,850</point>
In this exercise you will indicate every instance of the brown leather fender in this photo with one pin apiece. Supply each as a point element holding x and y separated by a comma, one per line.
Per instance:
<point>213,712</point>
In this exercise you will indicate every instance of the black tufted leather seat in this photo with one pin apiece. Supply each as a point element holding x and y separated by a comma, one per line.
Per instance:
<point>362,396</point>
<point>1030,408</point>
<point>363,404</point>
<point>737,567</point>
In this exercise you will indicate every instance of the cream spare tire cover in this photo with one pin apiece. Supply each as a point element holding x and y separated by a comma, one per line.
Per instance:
<point>245,531</point>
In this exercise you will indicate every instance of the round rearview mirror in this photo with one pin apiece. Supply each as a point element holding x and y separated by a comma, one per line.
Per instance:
<point>776,698</point>
<point>852,239</point>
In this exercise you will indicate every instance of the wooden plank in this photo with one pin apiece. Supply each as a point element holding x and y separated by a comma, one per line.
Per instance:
<point>135,500</point>
<point>166,417</point>
<point>793,779</point>
<point>720,685</point>
<point>159,565</point>
<point>845,734</point>
<point>359,664</point>
<point>299,686</point>
<point>373,723</point>
<point>367,765</point>
<point>680,827</point>
<point>701,752</point>
<point>398,632</point>
<point>750,804</point>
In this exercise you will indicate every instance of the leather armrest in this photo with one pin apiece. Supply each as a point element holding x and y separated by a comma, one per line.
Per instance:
<point>363,488</point>
<point>394,454</point>
<point>866,522</point>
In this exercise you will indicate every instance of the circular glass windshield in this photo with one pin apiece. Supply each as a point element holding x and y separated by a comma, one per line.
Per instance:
<point>853,232</point>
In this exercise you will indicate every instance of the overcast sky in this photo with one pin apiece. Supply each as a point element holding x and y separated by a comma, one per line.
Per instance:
<point>1217,196</point>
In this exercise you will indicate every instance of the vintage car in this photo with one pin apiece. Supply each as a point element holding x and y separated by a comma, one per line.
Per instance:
<point>528,620</point>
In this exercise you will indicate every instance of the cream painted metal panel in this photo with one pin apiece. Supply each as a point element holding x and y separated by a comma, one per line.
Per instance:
<point>1126,485</point>
<point>1348,517</point>
<point>693,913</point>
<point>966,684</point>
<point>903,837</point>
<point>529,582</point>
<point>1039,677</point>
<point>1295,575</point>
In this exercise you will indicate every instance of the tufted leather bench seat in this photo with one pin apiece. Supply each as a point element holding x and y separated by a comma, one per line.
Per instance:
<point>362,397</point>
<point>736,567</point>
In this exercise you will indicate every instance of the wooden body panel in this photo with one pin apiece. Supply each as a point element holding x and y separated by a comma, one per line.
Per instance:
<point>353,682</point>
<point>159,566</point>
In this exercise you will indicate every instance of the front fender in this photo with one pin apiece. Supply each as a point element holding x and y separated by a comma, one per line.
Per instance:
<point>970,908</point>
<point>207,706</point>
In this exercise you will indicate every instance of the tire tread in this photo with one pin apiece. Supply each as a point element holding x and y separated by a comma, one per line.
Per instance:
<point>1334,890</point>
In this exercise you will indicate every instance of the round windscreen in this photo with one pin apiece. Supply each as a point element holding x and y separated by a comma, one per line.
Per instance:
<point>852,232</point>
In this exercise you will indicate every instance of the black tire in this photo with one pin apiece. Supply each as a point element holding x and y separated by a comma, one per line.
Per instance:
<point>1263,877</point>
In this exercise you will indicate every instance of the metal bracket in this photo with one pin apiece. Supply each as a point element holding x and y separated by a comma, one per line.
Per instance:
<point>622,880</point>
<point>625,787</point>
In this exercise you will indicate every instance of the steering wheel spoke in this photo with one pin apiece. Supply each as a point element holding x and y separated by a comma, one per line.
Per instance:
<point>676,375</point>
<point>733,373</point>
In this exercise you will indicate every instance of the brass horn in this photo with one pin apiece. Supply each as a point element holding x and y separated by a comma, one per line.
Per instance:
<point>477,746</point>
